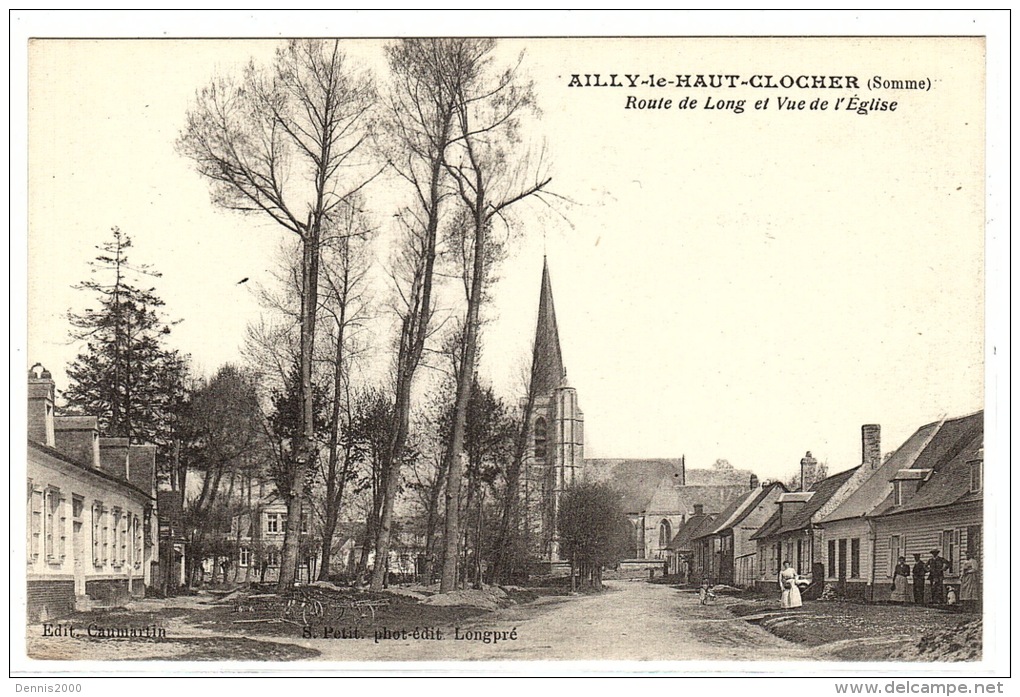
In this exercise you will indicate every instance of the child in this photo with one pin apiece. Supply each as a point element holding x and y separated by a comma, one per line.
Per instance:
<point>705,593</point>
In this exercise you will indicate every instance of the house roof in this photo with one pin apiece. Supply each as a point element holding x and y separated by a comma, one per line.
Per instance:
<point>54,453</point>
<point>876,487</point>
<point>948,456</point>
<point>821,492</point>
<point>742,507</point>
<point>657,484</point>
<point>692,528</point>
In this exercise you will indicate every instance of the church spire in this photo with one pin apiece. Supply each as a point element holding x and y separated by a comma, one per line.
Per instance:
<point>547,360</point>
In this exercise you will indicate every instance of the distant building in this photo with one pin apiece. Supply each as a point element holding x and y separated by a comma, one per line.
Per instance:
<point>256,554</point>
<point>681,551</point>
<point>725,551</point>
<point>90,537</point>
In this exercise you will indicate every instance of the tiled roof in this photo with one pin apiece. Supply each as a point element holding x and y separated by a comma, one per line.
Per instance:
<point>692,528</point>
<point>54,453</point>
<point>873,490</point>
<point>821,492</point>
<point>948,455</point>
<point>744,507</point>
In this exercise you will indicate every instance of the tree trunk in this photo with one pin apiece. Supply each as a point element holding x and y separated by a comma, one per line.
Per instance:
<point>509,537</point>
<point>305,446</point>
<point>414,330</point>
<point>465,384</point>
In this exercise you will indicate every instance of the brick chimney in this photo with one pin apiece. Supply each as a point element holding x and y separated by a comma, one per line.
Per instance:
<point>871,445</point>
<point>40,405</point>
<point>113,456</point>
<point>754,481</point>
<point>78,438</point>
<point>142,469</point>
<point>808,471</point>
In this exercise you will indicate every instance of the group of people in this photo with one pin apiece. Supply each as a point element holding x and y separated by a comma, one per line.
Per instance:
<point>935,570</point>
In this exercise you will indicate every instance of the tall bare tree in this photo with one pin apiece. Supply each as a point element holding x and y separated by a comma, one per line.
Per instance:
<point>282,142</point>
<point>344,304</point>
<point>492,172</point>
<point>419,122</point>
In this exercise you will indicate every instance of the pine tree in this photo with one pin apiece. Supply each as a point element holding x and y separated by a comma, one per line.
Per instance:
<point>124,374</point>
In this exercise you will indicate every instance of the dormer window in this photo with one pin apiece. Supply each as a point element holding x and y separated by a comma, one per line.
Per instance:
<point>898,491</point>
<point>975,476</point>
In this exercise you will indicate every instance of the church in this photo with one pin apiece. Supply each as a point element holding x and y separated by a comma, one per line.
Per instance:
<point>659,495</point>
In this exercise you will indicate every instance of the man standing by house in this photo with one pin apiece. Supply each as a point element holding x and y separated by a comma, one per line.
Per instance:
<point>937,569</point>
<point>918,574</point>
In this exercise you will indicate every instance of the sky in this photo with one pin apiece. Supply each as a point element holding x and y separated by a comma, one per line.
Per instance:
<point>746,286</point>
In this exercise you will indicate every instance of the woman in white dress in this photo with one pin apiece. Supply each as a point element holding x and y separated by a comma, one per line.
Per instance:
<point>788,579</point>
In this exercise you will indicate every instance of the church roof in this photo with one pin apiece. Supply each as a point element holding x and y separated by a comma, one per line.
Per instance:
<point>547,359</point>
<point>657,485</point>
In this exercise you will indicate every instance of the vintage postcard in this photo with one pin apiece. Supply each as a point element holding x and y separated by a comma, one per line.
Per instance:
<point>642,353</point>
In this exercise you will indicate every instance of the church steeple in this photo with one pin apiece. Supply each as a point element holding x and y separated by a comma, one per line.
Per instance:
<point>547,360</point>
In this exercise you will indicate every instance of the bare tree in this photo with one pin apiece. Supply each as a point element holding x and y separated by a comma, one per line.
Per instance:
<point>305,116</point>
<point>419,122</point>
<point>345,266</point>
<point>490,176</point>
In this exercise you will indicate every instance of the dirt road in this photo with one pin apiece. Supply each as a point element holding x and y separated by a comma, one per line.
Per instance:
<point>633,621</point>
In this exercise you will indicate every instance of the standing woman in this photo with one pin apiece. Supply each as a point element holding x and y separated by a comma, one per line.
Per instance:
<point>969,583</point>
<point>899,583</point>
<point>788,585</point>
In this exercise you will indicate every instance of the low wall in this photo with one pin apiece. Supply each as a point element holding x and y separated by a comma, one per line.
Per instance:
<point>49,599</point>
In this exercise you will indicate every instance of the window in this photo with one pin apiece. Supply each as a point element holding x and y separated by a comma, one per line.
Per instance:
<point>304,523</point>
<point>895,552</point>
<point>77,506</point>
<point>665,534</point>
<point>105,535</point>
<point>541,438</point>
<point>800,556</point>
<point>115,552</point>
<point>272,558</point>
<point>125,519</point>
<point>139,541</point>
<point>898,492</point>
<point>974,542</point>
<point>950,543</point>
<point>54,525</point>
<point>245,557</point>
<point>832,559</point>
<point>36,538</point>
<point>97,534</point>
<point>975,476</point>
<point>273,522</point>
<point>855,557</point>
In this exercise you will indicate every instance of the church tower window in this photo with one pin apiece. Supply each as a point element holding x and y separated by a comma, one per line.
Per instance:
<point>541,438</point>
